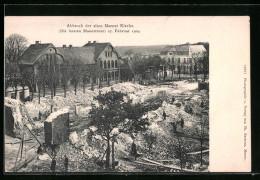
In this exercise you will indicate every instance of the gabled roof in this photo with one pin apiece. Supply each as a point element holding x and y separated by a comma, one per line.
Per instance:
<point>83,54</point>
<point>99,48</point>
<point>32,52</point>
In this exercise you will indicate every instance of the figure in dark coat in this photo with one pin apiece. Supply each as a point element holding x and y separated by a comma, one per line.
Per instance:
<point>164,115</point>
<point>53,146</point>
<point>66,163</point>
<point>134,151</point>
<point>173,99</point>
<point>174,127</point>
<point>202,104</point>
<point>40,150</point>
<point>182,123</point>
<point>53,164</point>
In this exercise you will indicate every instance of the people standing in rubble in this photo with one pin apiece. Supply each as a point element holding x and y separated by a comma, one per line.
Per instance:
<point>173,99</point>
<point>164,115</point>
<point>66,163</point>
<point>53,152</point>
<point>202,104</point>
<point>174,127</point>
<point>182,123</point>
<point>53,164</point>
<point>134,150</point>
<point>40,150</point>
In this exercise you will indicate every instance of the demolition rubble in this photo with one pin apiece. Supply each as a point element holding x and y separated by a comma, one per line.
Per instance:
<point>175,110</point>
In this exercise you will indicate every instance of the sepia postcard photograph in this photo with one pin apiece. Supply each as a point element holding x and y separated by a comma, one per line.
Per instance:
<point>140,94</point>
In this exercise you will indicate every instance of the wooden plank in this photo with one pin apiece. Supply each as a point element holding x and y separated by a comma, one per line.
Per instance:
<point>198,152</point>
<point>168,166</point>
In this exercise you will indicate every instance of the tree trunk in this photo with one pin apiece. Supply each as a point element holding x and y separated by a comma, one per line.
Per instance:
<point>39,95</point>
<point>108,154</point>
<point>32,95</point>
<point>43,91</point>
<point>180,149</point>
<point>92,86</point>
<point>15,92</point>
<point>51,90</point>
<point>181,160</point>
<point>64,91</point>
<point>113,155</point>
<point>54,89</point>
<point>201,153</point>
<point>75,88</point>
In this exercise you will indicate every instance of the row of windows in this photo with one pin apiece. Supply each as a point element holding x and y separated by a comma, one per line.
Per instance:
<point>184,68</point>
<point>109,76</point>
<point>108,53</point>
<point>188,60</point>
<point>107,64</point>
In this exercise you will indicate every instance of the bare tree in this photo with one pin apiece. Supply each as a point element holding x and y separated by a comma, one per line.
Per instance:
<point>40,78</point>
<point>76,73</point>
<point>12,76</point>
<point>65,76</point>
<point>196,59</point>
<point>15,45</point>
<point>29,76</point>
<point>202,134</point>
<point>179,72</point>
<point>205,64</point>
<point>85,75</point>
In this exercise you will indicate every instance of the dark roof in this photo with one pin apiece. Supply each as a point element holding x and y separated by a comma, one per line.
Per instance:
<point>99,48</point>
<point>83,54</point>
<point>32,52</point>
<point>167,48</point>
<point>182,48</point>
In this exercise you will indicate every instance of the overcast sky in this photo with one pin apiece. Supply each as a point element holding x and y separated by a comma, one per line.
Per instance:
<point>158,30</point>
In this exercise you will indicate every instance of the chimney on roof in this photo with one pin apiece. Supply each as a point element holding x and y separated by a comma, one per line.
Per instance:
<point>37,42</point>
<point>70,46</point>
<point>94,42</point>
<point>89,42</point>
<point>64,46</point>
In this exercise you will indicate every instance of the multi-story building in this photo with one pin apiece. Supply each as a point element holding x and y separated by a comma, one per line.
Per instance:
<point>181,58</point>
<point>101,61</point>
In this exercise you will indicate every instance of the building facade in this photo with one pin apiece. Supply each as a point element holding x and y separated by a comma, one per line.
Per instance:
<point>181,59</point>
<point>98,61</point>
